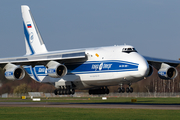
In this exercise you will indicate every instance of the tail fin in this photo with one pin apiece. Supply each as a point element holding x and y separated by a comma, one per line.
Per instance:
<point>33,40</point>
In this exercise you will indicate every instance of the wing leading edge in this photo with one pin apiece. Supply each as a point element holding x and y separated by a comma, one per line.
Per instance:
<point>159,60</point>
<point>44,57</point>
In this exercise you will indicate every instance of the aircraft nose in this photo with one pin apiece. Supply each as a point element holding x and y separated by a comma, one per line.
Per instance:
<point>143,67</point>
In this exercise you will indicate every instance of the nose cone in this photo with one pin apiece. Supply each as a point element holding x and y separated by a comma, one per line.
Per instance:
<point>143,68</point>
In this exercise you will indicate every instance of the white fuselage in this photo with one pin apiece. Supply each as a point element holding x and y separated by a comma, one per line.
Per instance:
<point>119,67</point>
<point>104,66</point>
<point>110,66</point>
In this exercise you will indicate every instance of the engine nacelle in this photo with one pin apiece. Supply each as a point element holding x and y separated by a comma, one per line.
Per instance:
<point>167,72</point>
<point>14,72</point>
<point>56,70</point>
<point>150,71</point>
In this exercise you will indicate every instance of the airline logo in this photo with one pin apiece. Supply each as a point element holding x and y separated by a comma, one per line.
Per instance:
<point>101,66</point>
<point>51,71</point>
<point>29,26</point>
<point>163,73</point>
<point>31,37</point>
<point>9,73</point>
<point>37,70</point>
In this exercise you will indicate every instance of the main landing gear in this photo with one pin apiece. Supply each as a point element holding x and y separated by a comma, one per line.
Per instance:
<point>128,89</point>
<point>103,90</point>
<point>64,90</point>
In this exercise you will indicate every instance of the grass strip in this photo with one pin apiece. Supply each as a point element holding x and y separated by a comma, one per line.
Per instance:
<point>18,113</point>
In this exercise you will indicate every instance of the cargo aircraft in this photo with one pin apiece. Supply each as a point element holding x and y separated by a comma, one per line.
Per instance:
<point>93,69</point>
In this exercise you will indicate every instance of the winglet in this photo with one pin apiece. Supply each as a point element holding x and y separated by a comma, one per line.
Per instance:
<point>33,39</point>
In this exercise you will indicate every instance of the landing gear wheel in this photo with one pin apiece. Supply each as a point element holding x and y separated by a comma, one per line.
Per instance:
<point>72,91</point>
<point>127,90</point>
<point>106,91</point>
<point>60,91</point>
<point>122,90</point>
<point>119,90</point>
<point>68,91</point>
<point>55,91</point>
<point>90,92</point>
<point>63,91</point>
<point>130,89</point>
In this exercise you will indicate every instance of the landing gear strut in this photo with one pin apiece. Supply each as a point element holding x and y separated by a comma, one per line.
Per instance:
<point>64,90</point>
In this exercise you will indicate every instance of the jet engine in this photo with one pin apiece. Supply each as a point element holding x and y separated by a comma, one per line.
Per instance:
<point>56,70</point>
<point>150,71</point>
<point>14,72</point>
<point>167,72</point>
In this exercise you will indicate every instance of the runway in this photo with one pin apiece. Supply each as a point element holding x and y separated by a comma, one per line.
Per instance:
<point>92,105</point>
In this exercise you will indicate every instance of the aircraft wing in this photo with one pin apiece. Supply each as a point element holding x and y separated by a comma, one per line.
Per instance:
<point>156,62</point>
<point>62,55</point>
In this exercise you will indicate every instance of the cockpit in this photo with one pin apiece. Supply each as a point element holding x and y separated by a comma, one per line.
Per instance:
<point>129,50</point>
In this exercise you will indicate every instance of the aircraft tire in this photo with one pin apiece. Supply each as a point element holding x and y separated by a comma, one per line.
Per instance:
<point>60,92</point>
<point>90,92</point>
<point>64,91</point>
<point>68,91</point>
<point>127,90</point>
<point>55,92</point>
<point>72,91</point>
<point>119,90</point>
<point>130,89</point>
<point>122,90</point>
<point>107,91</point>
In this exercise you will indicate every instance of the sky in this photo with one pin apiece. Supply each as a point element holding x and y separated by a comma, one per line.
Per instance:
<point>151,26</point>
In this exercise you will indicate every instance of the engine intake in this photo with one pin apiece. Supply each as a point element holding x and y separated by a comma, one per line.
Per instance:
<point>167,72</point>
<point>56,70</point>
<point>150,71</point>
<point>14,72</point>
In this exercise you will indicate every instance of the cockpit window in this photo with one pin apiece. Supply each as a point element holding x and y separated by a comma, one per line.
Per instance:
<point>129,50</point>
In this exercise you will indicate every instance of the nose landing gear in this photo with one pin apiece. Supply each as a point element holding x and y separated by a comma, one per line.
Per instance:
<point>128,89</point>
<point>121,89</point>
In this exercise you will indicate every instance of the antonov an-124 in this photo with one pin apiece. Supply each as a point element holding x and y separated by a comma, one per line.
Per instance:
<point>93,69</point>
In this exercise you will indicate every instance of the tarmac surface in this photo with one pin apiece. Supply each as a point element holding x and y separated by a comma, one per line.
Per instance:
<point>92,105</point>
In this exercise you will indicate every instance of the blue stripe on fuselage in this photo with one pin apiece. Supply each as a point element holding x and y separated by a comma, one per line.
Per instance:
<point>101,66</point>
<point>87,67</point>
<point>32,72</point>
